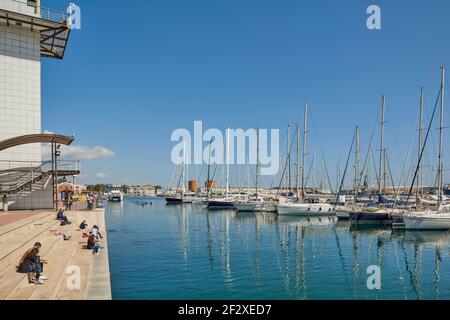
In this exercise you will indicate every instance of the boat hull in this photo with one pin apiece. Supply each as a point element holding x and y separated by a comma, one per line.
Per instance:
<point>248,207</point>
<point>220,205</point>
<point>363,217</point>
<point>305,209</point>
<point>438,222</point>
<point>269,208</point>
<point>174,200</point>
<point>343,216</point>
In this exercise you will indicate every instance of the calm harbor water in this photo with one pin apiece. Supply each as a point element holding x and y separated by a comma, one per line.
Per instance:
<point>186,252</point>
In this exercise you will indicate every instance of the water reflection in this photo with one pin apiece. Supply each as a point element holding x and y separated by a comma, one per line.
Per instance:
<point>262,255</point>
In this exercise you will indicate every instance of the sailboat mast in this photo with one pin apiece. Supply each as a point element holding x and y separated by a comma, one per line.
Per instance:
<point>257,165</point>
<point>208,169</point>
<point>357,161</point>
<point>338,174</point>
<point>419,173</point>
<point>305,132</point>
<point>441,144</point>
<point>381,171</point>
<point>289,156</point>
<point>227,186</point>
<point>297,179</point>
<point>369,169</point>
<point>187,174</point>
<point>183,170</point>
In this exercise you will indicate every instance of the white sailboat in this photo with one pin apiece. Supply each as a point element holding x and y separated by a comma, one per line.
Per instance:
<point>302,208</point>
<point>438,219</point>
<point>226,203</point>
<point>305,209</point>
<point>256,204</point>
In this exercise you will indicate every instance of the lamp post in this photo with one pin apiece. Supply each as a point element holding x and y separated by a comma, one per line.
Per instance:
<point>55,154</point>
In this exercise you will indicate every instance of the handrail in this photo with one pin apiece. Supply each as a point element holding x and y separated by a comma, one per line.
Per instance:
<point>16,178</point>
<point>45,13</point>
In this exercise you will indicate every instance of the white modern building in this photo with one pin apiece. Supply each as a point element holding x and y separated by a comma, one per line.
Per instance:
<point>28,32</point>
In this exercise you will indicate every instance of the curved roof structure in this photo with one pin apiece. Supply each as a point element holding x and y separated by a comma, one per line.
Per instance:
<point>36,138</point>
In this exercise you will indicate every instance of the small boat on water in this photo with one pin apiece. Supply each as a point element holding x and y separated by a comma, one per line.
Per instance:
<point>115,196</point>
<point>174,200</point>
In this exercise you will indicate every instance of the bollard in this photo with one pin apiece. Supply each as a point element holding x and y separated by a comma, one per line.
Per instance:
<point>5,203</point>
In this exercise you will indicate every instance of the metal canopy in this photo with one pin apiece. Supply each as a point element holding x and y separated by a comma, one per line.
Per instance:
<point>54,33</point>
<point>36,138</point>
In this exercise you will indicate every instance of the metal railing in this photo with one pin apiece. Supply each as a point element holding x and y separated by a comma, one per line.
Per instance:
<point>30,8</point>
<point>15,176</point>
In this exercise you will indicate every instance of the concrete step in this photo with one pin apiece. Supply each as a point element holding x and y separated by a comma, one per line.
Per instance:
<point>55,270</point>
<point>67,253</point>
<point>10,279</point>
<point>11,251</point>
<point>85,260</point>
<point>61,254</point>
<point>12,230</point>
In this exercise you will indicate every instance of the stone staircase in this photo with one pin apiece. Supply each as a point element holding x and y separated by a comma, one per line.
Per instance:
<point>17,183</point>
<point>18,237</point>
<point>34,187</point>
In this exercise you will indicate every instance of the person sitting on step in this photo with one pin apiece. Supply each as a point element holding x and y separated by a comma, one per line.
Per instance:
<point>95,231</point>
<point>83,225</point>
<point>32,264</point>
<point>92,244</point>
<point>62,217</point>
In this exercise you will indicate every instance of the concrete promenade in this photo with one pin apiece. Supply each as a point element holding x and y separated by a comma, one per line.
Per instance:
<point>73,272</point>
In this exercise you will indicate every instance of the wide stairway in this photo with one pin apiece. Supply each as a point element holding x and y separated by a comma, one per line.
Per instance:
<point>73,272</point>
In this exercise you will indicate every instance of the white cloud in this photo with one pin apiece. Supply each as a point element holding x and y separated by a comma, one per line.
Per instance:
<point>86,153</point>
<point>101,175</point>
<point>79,152</point>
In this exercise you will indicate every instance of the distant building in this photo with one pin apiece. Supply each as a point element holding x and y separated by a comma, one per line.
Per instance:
<point>142,190</point>
<point>110,187</point>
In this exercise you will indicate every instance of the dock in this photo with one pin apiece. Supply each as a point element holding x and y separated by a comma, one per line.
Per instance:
<point>73,272</point>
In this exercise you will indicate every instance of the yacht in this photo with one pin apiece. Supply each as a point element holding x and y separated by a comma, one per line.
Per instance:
<point>305,209</point>
<point>253,205</point>
<point>427,220</point>
<point>174,199</point>
<point>221,204</point>
<point>115,195</point>
<point>438,218</point>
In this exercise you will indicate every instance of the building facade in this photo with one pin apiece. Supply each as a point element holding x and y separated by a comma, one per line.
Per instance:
<point>25,37</point>
<point>20,84</point>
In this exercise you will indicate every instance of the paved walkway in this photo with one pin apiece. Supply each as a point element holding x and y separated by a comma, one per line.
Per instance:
<point>13,216</point>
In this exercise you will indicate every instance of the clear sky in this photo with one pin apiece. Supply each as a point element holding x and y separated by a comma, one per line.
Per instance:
<point>137,70</point>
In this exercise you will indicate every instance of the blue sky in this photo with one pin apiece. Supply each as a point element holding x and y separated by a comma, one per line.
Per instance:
<point>138,70</point>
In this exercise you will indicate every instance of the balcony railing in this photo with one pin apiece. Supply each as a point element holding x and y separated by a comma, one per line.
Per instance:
<point>30,8</point>
<point>16,174</point>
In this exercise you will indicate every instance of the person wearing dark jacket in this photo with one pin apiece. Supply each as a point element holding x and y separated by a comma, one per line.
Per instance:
<point>93,245</point>
<point>62,217</point>
<point>31,263</point>
<point>83,225</point>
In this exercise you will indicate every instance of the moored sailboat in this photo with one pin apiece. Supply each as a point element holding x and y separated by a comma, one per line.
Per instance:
<point>438,219</point>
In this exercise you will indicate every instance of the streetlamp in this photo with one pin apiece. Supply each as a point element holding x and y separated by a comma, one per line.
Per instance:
<point>55,154</point>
